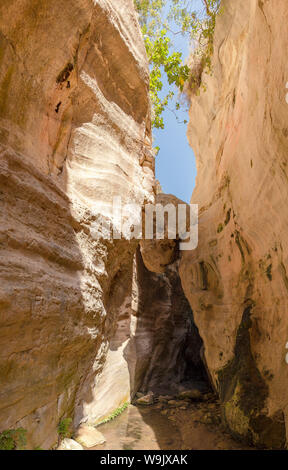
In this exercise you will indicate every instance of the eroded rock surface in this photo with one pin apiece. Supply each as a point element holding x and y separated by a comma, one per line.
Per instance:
<point>74,132</point>
<point>236,281</point>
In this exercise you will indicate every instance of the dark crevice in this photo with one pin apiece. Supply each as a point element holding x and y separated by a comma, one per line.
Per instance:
<point>204,275</point>
<point>58,107</point>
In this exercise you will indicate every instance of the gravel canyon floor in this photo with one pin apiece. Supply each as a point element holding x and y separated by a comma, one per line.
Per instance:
<point>161,428</point>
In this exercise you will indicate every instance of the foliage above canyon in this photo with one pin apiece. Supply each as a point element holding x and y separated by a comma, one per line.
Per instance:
<point>160,22</point>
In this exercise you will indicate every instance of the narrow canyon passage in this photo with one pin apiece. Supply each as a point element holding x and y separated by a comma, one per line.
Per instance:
<point>167,346</point>
<point>174,405</point>
<point>194,426</point>
<point>179,346</point>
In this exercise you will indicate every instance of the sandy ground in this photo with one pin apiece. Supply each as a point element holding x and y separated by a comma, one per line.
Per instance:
<point>159,426</point>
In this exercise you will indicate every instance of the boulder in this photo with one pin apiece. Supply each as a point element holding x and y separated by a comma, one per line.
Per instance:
<point>193,394</point>
<point>88,436</point>
<point>145,400</point>
<point>175,403</point>
<point>75,132</point>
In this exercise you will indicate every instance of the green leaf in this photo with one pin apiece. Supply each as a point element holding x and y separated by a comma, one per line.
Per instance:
<point>156,23</point>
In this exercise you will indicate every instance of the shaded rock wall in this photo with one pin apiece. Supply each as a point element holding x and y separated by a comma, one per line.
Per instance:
<point>74,132</point>
<point>236,281</point>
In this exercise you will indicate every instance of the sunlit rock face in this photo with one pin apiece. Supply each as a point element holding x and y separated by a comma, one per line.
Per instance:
<point>237,281</point>
<point>74,132</point>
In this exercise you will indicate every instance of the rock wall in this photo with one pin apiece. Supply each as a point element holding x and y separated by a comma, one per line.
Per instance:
<point>74,132</point>
<point>236,280</point>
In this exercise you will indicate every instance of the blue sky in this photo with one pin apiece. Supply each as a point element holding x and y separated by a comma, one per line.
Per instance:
<point>175,163</point>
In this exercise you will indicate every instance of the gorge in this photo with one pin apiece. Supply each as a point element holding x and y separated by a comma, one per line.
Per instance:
<point>87,323</point>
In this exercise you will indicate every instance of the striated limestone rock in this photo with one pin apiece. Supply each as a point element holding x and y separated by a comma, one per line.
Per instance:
<point>237,281</point>
<point>74,132</point>
<point>163,248</point>
<point>157,254</point>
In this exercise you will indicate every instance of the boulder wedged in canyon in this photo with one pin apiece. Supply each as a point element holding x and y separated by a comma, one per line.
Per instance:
<point>74,132</point>
<point>236,280</point>
<point>173,223</point>
<point>158,253</point>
